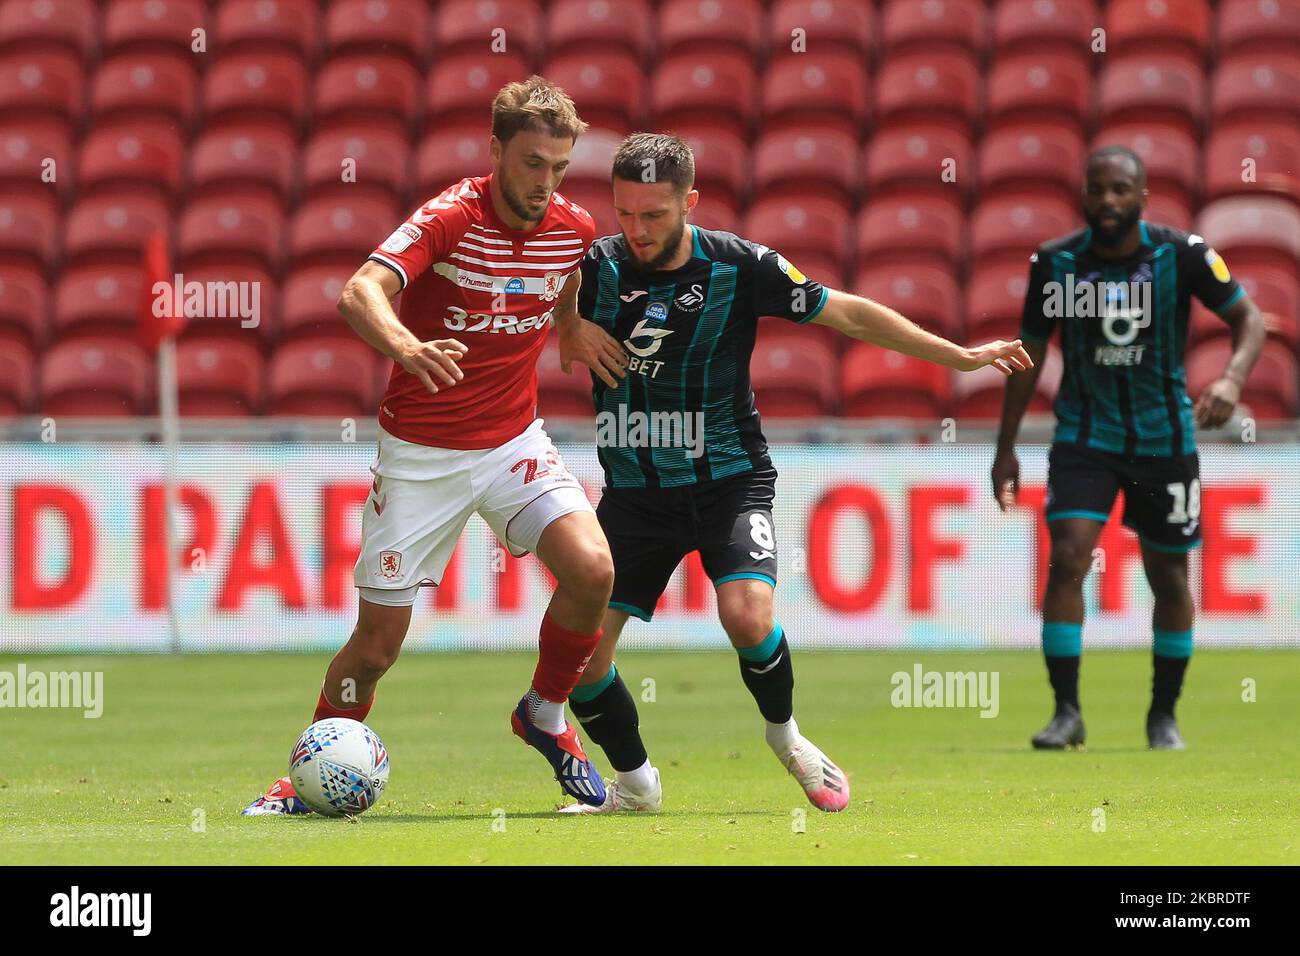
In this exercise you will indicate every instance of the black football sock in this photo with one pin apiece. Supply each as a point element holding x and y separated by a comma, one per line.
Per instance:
<point>1062,648</point>
<point>1173,649</point>
<point>769,675</point>
<point>609,719</point>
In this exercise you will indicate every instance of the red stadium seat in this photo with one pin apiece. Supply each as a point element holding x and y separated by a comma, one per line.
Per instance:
<point>1274,290</point>
<point>366,85</point>
<point>594,197</point>
<point>977,395</point>
<point>156,24</point>
<point>879,383</point>
<point>1250,232</point>
<point>29,228</point>
<point>1168,210</point>
<point>1164,88</point>
<point>322,377</point>
<point>1271,393</point>
<point>1170,154</point>
<point>609,87</point>
<point>715,214</point>
<point>808,161</point>
<point>560,395</point>
<point>219,377</point>
<point>311,298</point>
<point>99,298</point>
<point>929,24</point>
<point>1272,148</point>
<point>141,154</point>
<point>340,228</point>
<point>247,229</point>
<point>822,25</point>
<point>793,381</point>
<point>923,292</point>
<point>1254,86</point>
<point>24,304</point>
<point>393,26</point>
<point>918,156</point>
<point>233,287</point>
<point>1040,85</point>
<point>446,156</point>
<point>600,25</point>
<point>1033,156</point>
<point>460,88</point>
<point>775,330</point>
<point>42,84</point>
<point>288,26</point>
<point>828,88</point>
<point>488,27</point>
<point>24,146</point>
<point>17,380</point>
<point>27,24</point>
<point>246,158</point>
<point>995,300</point>
<point>1260,25</point>
<point>709,26</point>
<point>1039,25</point>
<point>113,227</point>
<point>1142,26</point>
<point>252,84</point>
<point>592,159</point>
<point>1012,227</point>
<point>793,226</point>
<point>918,87</point>
<point>381,153</point>
<point>721,163</point>
<point>719,90</point>
<point>913,226</point>
<point>160,84</point>
<point>95,376</point>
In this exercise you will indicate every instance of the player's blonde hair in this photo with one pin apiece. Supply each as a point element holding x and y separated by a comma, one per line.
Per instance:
<point>534,104</point>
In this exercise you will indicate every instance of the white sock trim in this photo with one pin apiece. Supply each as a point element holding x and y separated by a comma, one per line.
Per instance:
<point>639,781</point>
<point>782,737</point>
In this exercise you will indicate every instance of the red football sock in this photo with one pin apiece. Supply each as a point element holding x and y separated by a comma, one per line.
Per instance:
<point>562,654</point>
<point>325,709</point>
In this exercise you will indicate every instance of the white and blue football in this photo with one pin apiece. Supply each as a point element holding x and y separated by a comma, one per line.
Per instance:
<point>339,767</point>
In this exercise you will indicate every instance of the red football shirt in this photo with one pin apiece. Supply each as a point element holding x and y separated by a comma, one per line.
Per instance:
<point>466,275</point>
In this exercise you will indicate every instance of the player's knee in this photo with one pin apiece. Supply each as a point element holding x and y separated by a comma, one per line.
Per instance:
<point>375,648</point>
<point>748,626</point>
<point>1069,560</point>
<point>590,573</point>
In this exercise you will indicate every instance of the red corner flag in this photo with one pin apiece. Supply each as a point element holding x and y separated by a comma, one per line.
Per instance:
<point>161,315</point>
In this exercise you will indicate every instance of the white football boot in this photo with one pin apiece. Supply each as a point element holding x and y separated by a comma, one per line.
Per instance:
<point>825,784</point>
<point>619,799</point>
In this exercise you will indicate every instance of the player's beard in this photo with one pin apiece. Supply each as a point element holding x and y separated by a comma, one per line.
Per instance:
<point>1111,235</point>
<point>669,250</point>
<point>518,207</point>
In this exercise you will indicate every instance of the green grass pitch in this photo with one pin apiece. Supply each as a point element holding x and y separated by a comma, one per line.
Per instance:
<point>189,741</point>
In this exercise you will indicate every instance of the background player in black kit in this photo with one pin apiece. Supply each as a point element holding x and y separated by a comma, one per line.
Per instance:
<point>1120,291</point>
<point>684,303</point>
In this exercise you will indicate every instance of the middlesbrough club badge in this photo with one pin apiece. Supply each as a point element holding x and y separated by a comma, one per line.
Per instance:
<point>390,564</point>
<point>551,286</point>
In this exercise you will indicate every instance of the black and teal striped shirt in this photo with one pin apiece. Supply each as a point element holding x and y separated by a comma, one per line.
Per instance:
<point>688,334</point>
<point>1123,332</point>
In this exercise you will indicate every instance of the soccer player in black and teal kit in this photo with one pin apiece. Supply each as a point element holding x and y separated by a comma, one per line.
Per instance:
<point>669,313</point>
<point>1120,291</point>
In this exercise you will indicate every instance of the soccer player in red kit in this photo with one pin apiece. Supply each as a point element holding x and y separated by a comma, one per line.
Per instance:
<point>482,266</point>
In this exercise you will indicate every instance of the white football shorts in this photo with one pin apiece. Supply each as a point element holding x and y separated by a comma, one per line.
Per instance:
<point>423,496</point>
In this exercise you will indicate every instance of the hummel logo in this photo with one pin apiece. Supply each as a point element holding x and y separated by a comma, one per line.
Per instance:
<point>634,295</point>
<point>764,670</point>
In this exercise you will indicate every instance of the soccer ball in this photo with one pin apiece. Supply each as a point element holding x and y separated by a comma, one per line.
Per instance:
<point>339,767</point>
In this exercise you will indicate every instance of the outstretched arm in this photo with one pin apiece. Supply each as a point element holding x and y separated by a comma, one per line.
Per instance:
<point>585,342</point>
<point>878,324</point>
<point>1215,404</point>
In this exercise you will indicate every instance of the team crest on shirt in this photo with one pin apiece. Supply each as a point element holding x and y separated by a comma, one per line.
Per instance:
<point>550,286</point>
<point>390,564</point>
